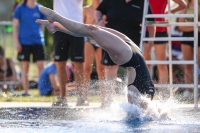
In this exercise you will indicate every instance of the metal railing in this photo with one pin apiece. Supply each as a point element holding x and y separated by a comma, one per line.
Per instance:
<point>169,38</point>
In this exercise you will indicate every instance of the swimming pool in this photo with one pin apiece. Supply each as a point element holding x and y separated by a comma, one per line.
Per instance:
<point>181,119</point>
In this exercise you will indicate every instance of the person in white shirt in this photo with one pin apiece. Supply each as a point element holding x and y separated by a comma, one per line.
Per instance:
<point>69,46</point>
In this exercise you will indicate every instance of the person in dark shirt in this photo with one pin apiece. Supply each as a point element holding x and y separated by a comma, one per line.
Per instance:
<point>121,49</point>
<point>124,16</point>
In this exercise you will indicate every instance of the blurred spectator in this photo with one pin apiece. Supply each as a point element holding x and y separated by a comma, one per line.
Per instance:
<point>176,45</point>
<point>29,38</point>
<point>7,71</point>
<point>65,44</point>
<point>124,16</point>
<point>47,83</point>
<point>70,72</point>
<point>187,47</point>
<point>92,50</point>
<point>158,7</point>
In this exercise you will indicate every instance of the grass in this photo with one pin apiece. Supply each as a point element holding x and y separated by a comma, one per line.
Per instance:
<point>37,98</point>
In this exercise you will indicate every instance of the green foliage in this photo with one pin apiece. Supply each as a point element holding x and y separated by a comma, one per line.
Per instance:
<point>88,2</point>
<point>48,36</point>
<point>37,98</point>
<point>46,3</point>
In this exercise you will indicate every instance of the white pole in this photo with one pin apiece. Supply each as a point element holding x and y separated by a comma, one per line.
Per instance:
<point>170,62</point>
<point>169,16</point>
<point>166,24</point>
<point>196,5</point>
<point>143,33</point>
<point>169,39</point>
<point>170,51</point>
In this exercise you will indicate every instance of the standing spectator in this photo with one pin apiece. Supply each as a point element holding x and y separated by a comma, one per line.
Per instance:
<point>91,50</point>
<point>64,44</point>
<point>29,38</point>
<point>124,16</point>
<point>187,47</point>
<point>158,7</point>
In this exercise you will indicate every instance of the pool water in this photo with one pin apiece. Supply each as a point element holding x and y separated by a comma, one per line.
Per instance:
<point>96,120</point>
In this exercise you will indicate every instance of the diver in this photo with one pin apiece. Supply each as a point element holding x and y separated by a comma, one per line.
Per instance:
<point>120,48</point>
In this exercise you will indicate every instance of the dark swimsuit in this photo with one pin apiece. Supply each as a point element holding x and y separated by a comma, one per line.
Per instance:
<point>143,80</point>
<point>8,71</point>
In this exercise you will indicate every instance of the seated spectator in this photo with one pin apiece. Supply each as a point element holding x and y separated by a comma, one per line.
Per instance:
<point>47,82</point>
<point>7,70</point>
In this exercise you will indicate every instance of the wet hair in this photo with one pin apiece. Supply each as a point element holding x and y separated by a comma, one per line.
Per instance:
<point>2,53</point>
<point>24,2</point>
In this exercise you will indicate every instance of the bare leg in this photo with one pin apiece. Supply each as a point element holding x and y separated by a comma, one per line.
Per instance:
<point>110,76</point>
<point>89,54</point>
<point>60,66</point>
<point>147,54</point>
<point>78,75</point>
<point>100,71</point>
<point>25,82</point>
<point>119,51</point>
<point>40,66</point>
<point>162,69</point>
<point>100,67</point>
<point>187,55</point>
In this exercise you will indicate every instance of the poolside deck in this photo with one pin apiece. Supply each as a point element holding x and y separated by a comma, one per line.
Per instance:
<point>71,105</point>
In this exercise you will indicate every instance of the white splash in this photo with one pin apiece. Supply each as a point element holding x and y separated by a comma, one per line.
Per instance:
<point>156,110</point>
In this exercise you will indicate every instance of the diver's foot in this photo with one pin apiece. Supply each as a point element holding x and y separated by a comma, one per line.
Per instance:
<point>50,26</point>
<point>48,13</point>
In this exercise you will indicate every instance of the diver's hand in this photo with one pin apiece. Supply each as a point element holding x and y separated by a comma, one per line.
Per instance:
<point>50,26</point>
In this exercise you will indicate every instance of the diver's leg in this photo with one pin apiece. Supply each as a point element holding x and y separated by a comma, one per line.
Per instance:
<point>119,51</point>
